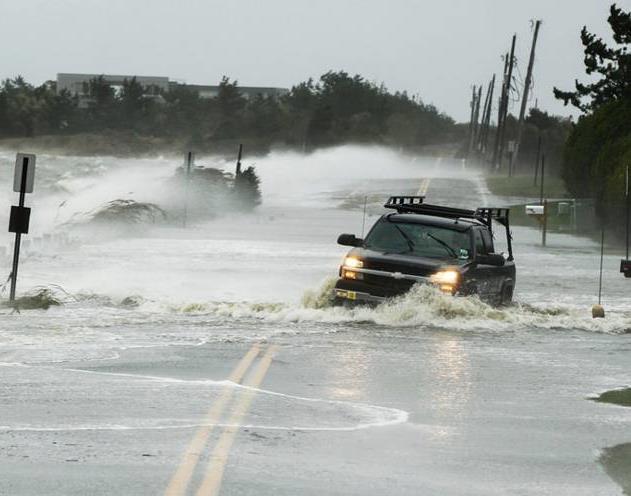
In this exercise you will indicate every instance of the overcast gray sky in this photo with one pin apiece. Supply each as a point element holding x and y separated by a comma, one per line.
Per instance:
<point>434,48</point>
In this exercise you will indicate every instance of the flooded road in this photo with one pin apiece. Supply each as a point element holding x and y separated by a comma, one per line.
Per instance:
<point>206,360</point>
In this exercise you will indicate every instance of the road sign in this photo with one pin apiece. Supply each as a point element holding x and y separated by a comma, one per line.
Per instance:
<point>20,160</point>
<point>19,219</point>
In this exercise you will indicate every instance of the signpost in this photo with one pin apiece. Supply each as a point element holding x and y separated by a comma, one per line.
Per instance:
<point>238,170</point>
<point>23,181</point>
<point>625,265</point>
<point>187,179</point>
<point>512,149</point>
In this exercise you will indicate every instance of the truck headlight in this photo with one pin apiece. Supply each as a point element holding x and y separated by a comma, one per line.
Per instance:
<point>447,280</point>
<point>353,263</point>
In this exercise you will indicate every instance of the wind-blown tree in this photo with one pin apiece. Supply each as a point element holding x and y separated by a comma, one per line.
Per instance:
<point>599,146</point>
<point>613,64</point>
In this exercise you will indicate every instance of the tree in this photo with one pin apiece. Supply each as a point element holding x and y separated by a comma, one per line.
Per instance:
<point>132,102</point>
<point>22,106</point>
<point>57,111</point>
<point>230,104</point>
<point>102,104</point>
<point>263,117</point>
<point>182,112</point>
<point>612,64</point>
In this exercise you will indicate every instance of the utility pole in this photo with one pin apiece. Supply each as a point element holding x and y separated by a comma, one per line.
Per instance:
<point>476,125</point>
<point>473,97</point>
<point>483,121</point>
<point>527,84</point>
<point>500,109</point>
<point>487,116</point>
<point>509,79</point>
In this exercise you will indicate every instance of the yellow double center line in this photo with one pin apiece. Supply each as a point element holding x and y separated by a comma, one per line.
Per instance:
<point>422,190</point>
<point>215,469</point>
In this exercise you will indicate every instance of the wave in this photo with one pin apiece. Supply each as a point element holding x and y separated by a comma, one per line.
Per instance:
<point>129,401</point>
<point>423,307</point>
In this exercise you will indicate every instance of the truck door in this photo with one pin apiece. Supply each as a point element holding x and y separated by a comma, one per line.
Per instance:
<point>487,278</point>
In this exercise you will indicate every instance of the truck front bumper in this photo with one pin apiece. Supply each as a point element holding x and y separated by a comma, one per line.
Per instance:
<point>374,286</point>
<point>357,296</point>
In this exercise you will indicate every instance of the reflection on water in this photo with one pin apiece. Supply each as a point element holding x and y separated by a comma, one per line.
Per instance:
<point>350,372</point>
<point>451,383</point>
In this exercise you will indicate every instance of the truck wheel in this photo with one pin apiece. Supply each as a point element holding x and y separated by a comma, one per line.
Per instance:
<point>507,295</point>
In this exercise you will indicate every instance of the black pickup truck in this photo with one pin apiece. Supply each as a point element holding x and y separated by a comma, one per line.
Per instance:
<point>450,248</point>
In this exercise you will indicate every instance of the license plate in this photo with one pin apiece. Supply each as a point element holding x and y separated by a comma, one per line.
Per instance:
<point>350,295</point>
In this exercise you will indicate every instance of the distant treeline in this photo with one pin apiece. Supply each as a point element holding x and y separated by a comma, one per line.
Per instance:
<point>338,108</point>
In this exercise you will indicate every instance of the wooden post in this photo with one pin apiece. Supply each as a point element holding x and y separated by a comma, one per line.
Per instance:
<point>538,159</point>
<point>545,223</point>
<point>602,256</point>
<point>628,198</point>
<point>238,169</point>
<point>543,176</point>
<point>189,160</point>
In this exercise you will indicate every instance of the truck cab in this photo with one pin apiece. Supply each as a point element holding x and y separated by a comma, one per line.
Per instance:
<point>452,249</point>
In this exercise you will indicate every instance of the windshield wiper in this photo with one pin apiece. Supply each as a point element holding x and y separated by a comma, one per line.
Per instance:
<point>449,249</point>
<point>405,236</point>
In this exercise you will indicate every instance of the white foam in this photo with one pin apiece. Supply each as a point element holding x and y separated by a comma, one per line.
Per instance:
<point>423,307</point>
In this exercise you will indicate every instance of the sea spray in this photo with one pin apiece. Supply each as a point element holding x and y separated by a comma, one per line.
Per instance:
<point>321,297</point>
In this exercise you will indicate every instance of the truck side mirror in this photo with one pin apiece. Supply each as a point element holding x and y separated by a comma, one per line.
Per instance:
<point>494,259</point>
<point>349,240</point>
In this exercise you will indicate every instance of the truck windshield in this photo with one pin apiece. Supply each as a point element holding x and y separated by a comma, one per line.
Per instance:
<point>418,239</point>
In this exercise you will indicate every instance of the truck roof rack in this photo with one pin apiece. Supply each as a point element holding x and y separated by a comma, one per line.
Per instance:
<point>415,205</point>
<point>486,215</point>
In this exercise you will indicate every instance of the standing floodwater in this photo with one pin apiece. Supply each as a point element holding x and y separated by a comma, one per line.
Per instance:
<point>426,394</point>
